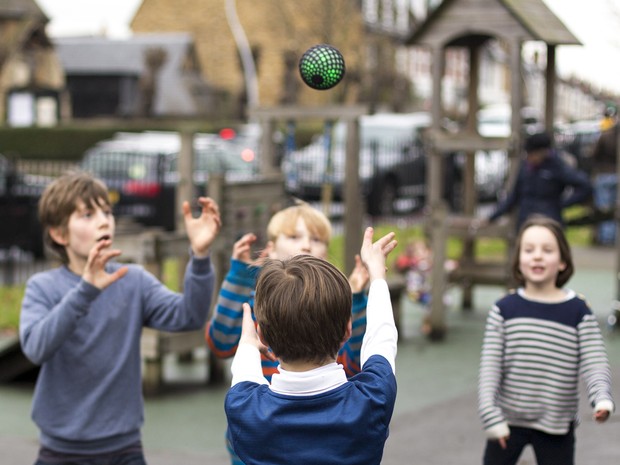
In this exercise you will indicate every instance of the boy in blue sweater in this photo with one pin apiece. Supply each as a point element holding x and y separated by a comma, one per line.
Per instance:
<point>311,413</point>
<point>298,229</point>
<point>82,323</point>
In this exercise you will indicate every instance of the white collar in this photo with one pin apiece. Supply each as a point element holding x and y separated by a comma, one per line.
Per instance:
<point>569,294</point>
<point>307,383</point>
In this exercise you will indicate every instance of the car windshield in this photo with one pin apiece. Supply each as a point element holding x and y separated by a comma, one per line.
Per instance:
<point>136,157</point>
<point>121,164</point>
<point>224,156</point>
<point>375,132</point>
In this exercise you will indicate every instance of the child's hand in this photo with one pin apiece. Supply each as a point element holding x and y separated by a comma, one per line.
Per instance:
<point>242,250</point>
<point>249,335</point>
<point>601,415</point>
<point>359,276</point>
<point>94,271</point>
<point>373,254</point>
<point>203,230</point>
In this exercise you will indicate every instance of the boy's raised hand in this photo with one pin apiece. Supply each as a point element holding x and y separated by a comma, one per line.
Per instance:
<point>242,249</point>
<point>94,270</point>
<point>373,254</point>
<point>249,334</point>
<point>203,230</point>
<point>359,276</point>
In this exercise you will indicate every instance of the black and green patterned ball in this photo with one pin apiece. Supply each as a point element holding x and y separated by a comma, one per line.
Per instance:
<point>321,67</point>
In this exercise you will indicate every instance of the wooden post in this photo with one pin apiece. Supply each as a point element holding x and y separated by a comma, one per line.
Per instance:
<point>219,257</point>
<point>469,184</point>
<point>550,86</point>
<point>437,318</point>
<point>185,187</point>
<point>434,189</point>
<point>267,155</point>
<point>352,196</point>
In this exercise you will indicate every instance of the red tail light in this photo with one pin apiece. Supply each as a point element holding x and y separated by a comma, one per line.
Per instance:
<point>142,188</point>
<point>227,134</point>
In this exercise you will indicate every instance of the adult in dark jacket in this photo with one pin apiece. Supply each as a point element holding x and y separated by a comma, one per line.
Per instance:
<point>545,184</point>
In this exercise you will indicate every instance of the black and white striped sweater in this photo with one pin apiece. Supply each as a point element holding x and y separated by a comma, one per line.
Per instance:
<point>532,355</point>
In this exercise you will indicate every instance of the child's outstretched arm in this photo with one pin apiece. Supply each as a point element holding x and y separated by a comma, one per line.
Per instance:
<point>381,335</point>
<point>203,230</point>
<point>224,328</point>
<point>349,354</point>
<point>595,368</point>
<point>246,365</point>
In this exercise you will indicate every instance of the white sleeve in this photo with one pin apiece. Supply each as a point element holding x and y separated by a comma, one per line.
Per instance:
<point>381,335</point>
<point>246,365</point>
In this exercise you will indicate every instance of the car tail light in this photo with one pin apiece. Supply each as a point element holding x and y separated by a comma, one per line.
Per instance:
<point>227,134</point>
<point>142,188</point>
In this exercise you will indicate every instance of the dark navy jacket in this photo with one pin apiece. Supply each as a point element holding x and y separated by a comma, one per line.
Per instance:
<point>544,189</point>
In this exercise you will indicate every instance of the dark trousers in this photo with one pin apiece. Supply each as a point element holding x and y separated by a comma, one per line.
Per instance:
<point>125,457</point>
<point>549,449</point>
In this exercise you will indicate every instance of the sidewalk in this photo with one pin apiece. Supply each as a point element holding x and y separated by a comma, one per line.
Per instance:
<point>435,421</point>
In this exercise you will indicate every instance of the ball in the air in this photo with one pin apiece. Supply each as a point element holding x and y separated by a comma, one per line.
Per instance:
<point>321,67</point>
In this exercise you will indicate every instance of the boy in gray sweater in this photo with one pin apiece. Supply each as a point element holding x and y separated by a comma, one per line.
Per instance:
<point>81,322</point>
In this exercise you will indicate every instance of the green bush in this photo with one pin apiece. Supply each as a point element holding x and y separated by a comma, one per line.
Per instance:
<point>11,298</point>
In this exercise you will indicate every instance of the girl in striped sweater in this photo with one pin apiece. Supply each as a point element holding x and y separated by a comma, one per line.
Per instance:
<point>538,340</point>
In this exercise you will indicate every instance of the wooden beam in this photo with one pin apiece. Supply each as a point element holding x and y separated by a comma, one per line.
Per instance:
<point>285,112</point>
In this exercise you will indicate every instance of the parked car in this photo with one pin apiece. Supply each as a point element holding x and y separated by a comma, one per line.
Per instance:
<point>392,164</point>
<point>390,158</point>
<point>141,170</point>
<point>19,197</point>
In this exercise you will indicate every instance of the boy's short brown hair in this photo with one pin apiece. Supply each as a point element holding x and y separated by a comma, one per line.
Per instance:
<point>285,222</point>
<point>59,201</point>
<point>303,308</point>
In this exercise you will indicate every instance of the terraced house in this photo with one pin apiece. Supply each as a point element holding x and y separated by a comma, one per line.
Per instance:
<point>31,76</point>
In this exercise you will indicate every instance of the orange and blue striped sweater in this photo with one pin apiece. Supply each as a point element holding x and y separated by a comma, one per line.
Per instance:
<point>224,328</point>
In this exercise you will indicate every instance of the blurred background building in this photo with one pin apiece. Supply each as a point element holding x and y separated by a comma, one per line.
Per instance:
<point>214,58</point>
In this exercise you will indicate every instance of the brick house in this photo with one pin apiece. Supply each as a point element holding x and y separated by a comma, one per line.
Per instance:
<point>278,32</point>
<point>31,76</point>
<point>146,75</point>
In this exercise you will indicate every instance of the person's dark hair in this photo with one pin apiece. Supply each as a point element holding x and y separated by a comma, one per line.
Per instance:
<point>59,201</point>
<point>303,308</point>
<point>540,140</point>
<point>565,252</point>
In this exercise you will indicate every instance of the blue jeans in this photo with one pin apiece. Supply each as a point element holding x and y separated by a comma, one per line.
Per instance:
<point>549,449</point>
<point>605,186</point>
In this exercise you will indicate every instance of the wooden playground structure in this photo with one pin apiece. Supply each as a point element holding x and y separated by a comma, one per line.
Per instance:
<point>468,24</point>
